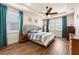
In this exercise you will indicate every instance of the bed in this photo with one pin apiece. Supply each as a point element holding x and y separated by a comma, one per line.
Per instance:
<point>43,38</point>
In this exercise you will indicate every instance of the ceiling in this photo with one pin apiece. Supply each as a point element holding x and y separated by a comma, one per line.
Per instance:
<point>41,7</point>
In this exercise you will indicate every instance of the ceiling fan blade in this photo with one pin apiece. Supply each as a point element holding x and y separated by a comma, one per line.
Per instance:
<point>48,11</point>
<point>52,13</point>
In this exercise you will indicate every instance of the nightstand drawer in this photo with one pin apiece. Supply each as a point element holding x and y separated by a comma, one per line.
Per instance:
<point>23,38</point>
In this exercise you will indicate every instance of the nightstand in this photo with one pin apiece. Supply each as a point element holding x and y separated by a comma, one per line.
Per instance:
<point>23,37</point>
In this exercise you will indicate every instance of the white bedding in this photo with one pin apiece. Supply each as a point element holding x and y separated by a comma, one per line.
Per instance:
<point>43,38</point>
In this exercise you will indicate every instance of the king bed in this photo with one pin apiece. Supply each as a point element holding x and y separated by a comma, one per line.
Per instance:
<point>35,35</point>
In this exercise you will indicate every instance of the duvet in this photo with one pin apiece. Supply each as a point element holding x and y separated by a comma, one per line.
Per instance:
<point>43,38</point>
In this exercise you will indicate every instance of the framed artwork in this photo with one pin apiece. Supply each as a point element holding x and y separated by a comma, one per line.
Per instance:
<point>36,21</point>
<point>30,20</point>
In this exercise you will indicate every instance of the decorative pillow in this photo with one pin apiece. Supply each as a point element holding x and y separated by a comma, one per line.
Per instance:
<point>31,28</point>
<point>34,31</point>
<point>28,31</point>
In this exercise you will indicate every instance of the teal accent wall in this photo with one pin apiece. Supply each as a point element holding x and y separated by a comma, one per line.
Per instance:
<point>3,30</point>
<point>64,26</point>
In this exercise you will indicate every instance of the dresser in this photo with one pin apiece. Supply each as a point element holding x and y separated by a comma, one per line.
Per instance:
<point>70,30</point>
<point>75,46</point>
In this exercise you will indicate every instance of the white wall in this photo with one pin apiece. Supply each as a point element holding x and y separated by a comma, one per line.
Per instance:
<point>76,23</point>
<point>33,17</point>
<point>12,38</point>
<point>70,20</point>
<point>75,7</point>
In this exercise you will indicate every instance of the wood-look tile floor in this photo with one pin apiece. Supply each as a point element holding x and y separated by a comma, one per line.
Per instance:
<point>57,47</point>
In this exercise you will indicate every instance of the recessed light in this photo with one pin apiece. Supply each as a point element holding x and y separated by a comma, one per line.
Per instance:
<point>28,4</point>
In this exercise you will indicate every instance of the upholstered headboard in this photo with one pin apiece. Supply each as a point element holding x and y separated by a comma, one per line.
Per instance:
<point>27,28</point>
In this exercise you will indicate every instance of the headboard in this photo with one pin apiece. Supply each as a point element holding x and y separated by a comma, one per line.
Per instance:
<point>27,28</point>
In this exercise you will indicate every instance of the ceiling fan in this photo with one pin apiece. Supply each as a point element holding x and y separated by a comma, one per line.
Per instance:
<point>49,10</point>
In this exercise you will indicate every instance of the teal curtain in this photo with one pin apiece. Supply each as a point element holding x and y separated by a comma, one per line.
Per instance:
<point>64,26</point>
<point>47,27</point>
<point>21,21</point>
<point>3,30</point>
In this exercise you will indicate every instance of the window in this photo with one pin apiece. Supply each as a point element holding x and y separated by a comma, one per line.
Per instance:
<point>13,21</point>
<point>55,26</point>
<point>51,25</point>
